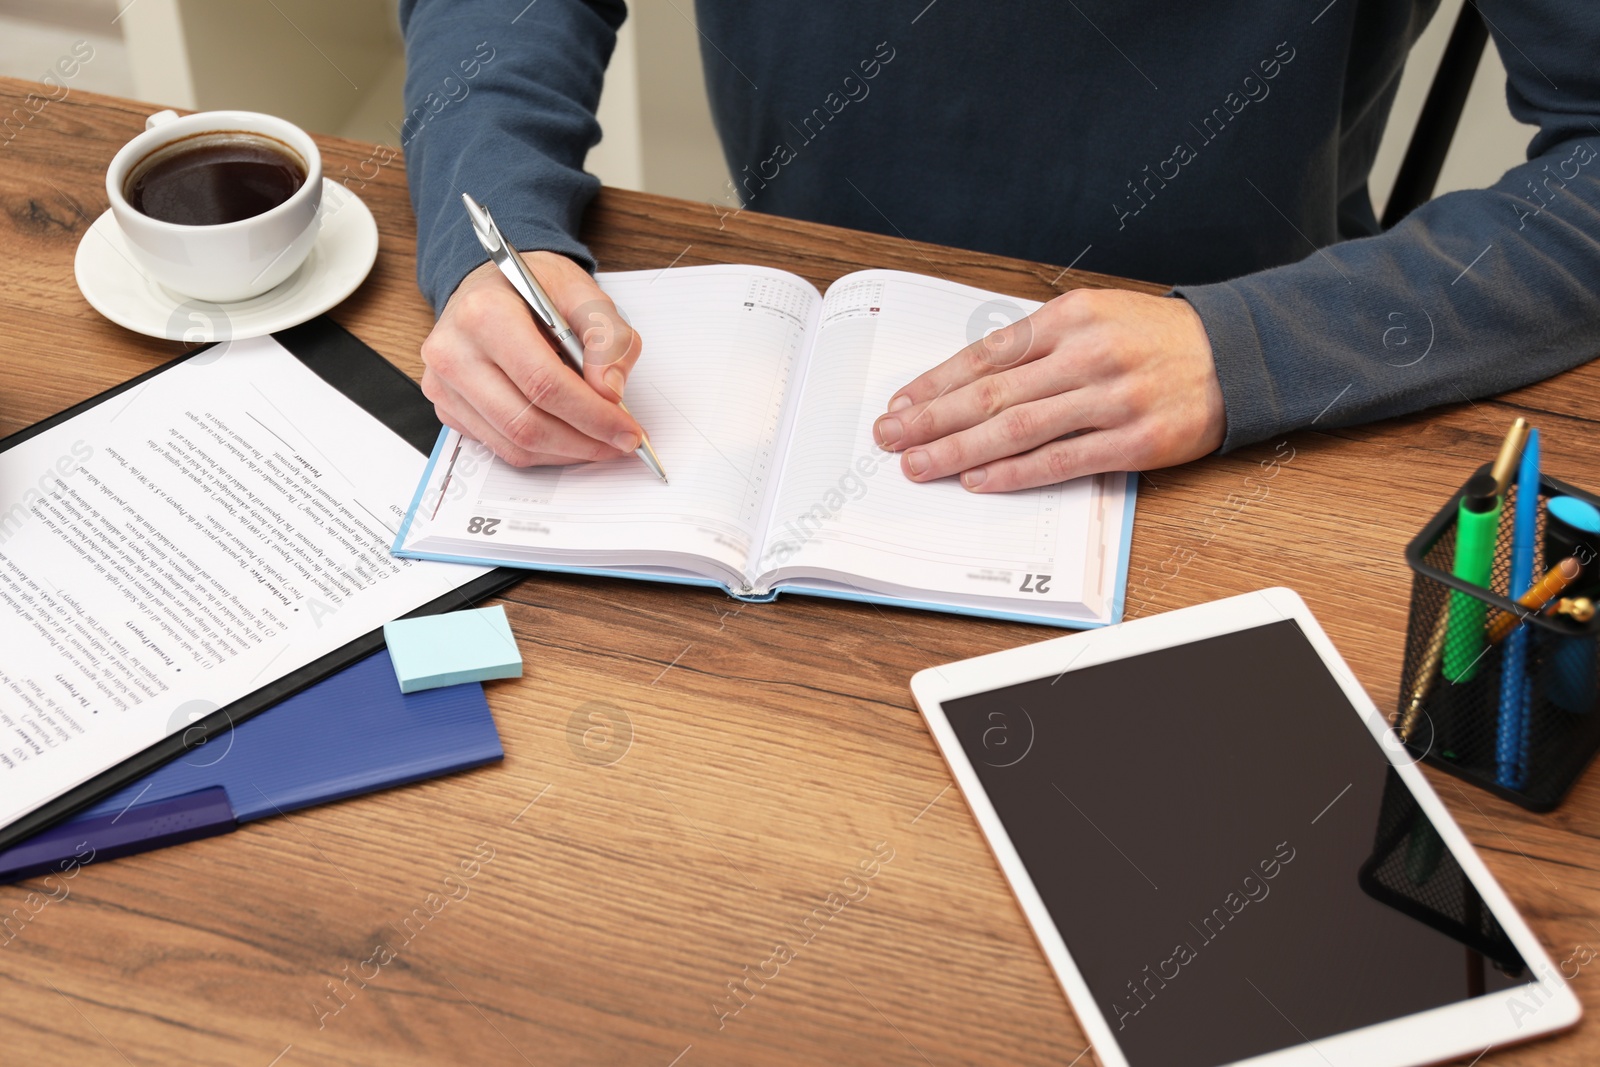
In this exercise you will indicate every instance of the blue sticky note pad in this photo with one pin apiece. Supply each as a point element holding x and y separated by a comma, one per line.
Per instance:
<point>458,646</point>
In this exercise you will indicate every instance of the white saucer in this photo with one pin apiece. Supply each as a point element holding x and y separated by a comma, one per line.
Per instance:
<point>110,279</point>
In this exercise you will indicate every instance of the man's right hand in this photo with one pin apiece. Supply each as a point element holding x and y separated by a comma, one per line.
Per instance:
<point>492,375</point>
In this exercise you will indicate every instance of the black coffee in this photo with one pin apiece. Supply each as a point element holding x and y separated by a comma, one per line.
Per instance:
<point>213,178</point>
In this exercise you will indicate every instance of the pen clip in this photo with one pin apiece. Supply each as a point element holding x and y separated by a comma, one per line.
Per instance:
<point>507,260</point>
<point>483,225</point>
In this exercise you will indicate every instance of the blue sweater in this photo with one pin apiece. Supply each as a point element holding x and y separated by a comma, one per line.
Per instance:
<point>1227,153</point>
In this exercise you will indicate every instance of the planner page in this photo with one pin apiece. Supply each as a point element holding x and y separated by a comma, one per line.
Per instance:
<point>845,512</point>
<point>173,549</point>
<point>721,344</point>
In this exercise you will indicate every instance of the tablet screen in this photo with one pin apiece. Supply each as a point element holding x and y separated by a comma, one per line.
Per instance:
<point>1229,857</point>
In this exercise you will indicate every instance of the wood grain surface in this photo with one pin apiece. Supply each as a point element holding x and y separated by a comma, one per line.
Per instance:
<point>685,778</point>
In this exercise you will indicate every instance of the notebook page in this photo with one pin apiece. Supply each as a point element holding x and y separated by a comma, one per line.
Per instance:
<point>721,344</point>
<point>845,509</point>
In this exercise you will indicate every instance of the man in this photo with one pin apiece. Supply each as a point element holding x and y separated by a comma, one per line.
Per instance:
<point>1224,147</point>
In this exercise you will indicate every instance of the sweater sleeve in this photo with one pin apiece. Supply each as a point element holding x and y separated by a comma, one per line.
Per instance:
<point>1475,293</point>
<point>500,100</point>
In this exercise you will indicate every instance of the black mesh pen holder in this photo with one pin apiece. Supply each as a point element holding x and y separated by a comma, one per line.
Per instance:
<point>1455,712</point>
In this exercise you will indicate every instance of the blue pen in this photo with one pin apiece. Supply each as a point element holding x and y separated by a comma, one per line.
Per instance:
<point>1511,744</point>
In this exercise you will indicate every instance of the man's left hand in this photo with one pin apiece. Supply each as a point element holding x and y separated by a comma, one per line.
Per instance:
<point>1095,380</point>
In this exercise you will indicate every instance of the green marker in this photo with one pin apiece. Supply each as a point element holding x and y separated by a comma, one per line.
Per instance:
<point>1477,526</point>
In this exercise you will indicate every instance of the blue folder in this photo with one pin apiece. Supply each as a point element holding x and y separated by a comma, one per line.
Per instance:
<point>351,733</point>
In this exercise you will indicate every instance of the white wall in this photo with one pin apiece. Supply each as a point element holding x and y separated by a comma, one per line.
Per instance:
<point>315,62</point>
<point>1488,141</point>
<point>681,153</point>
<point>34,34</point>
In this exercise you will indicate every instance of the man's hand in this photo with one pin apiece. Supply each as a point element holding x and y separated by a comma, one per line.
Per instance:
<point>492,375</point>
<point>1096,380</point>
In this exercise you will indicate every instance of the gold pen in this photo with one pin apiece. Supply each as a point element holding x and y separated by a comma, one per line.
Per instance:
<point>566,343</point>
<point>1505,464</point>
<point>1426,673</point>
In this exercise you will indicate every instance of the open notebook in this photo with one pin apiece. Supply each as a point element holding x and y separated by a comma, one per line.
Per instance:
<point>759,394</point>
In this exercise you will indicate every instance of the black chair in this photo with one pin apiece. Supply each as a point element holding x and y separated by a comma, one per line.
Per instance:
<point>1441,113</point>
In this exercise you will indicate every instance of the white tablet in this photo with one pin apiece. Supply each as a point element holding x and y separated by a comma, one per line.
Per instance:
<point>1226,855</point>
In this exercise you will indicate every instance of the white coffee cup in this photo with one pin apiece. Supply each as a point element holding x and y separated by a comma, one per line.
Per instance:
<point>228,261</point>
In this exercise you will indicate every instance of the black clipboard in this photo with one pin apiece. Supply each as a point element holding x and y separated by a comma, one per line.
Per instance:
<point>383,391</point>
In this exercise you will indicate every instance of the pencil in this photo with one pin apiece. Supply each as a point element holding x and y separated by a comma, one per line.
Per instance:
<point>1546,589</point>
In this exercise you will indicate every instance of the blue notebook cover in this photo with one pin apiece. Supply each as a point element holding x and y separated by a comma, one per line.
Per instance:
<point>351,733</point>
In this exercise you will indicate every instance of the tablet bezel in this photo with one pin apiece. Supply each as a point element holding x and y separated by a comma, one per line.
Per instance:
<point>1432,1036</point>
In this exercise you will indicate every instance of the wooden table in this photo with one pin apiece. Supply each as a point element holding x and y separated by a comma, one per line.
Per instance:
<point>753,755</point>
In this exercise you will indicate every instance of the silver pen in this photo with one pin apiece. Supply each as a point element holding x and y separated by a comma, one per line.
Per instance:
<point>567,343</point>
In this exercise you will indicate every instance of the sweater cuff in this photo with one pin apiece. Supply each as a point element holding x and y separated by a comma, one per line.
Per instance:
<point>454,255</point>
<point>1251,404</point>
